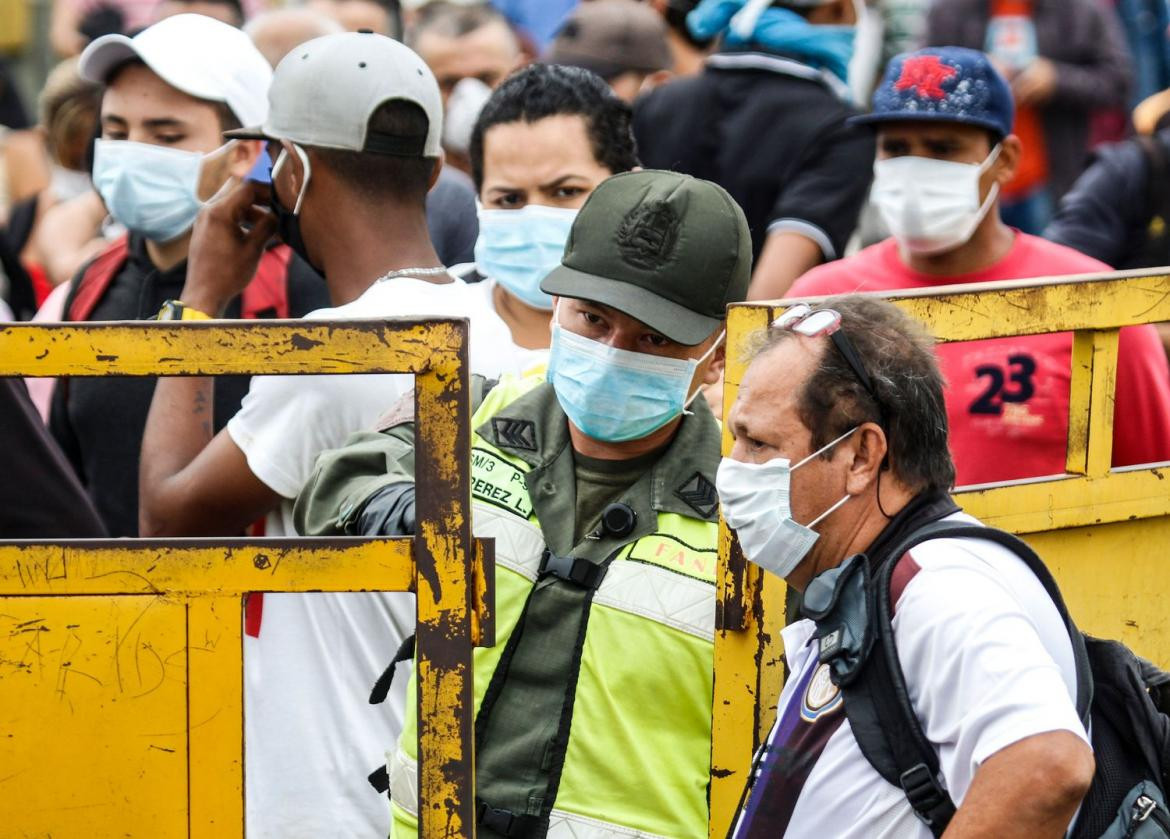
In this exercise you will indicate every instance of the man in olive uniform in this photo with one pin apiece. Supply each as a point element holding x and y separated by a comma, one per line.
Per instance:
<point>598,486</point>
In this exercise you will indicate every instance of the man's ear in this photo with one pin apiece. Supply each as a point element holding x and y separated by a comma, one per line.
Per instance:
<point>296,166</point>
<point>1008,161</point>
<point>868,450</point>
<point>435,170</point>
<point>243,156</point>
<point>716,364</point>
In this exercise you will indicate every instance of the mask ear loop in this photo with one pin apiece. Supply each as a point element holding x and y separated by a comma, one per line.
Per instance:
<point>828,512</point>
<point>308,174</point>
<point>824,448</point>
<point>699,361</point>
<point>279,164</point>
<point>992,193</point>
<point>554,322</point>
<point>817,453</point>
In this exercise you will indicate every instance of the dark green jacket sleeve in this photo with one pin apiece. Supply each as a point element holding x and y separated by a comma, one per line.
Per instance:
<point>345,479</point>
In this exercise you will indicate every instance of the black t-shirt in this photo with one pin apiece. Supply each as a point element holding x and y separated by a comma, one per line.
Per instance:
<point>772,132</point>
<point>601,482</point>
<point>98,422</point>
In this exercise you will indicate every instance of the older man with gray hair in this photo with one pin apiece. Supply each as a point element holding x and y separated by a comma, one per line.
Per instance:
<point>839,465</point>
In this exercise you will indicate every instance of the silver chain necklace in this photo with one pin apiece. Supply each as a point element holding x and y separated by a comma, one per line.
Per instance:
<point>412,272</point>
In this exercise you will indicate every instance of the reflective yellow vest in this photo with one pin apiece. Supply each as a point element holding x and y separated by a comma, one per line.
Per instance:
<point>638,757</point>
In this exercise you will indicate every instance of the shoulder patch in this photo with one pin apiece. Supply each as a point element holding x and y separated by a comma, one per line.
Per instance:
<point>905,571</point>
<point>514,433</point>
<point>699,494</point>
<point>648,234</point>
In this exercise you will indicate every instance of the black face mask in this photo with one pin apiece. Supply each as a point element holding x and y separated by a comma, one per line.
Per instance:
<point>288,223</point>
<point>288,228</point>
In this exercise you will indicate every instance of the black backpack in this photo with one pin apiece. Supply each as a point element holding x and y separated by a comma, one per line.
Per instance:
<point>1123,700</point>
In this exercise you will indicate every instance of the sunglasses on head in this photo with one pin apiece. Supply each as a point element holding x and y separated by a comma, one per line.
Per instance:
<point>804,320</point>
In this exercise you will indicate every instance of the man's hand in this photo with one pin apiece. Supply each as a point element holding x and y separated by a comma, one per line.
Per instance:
<point>1036,83</point>
<point>226,245</point>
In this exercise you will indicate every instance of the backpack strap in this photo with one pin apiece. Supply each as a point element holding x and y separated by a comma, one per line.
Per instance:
<point>957,530</point>
<point>1158,169</point>
<point>266,296</point>
<point>380,778</point>
<point>878,705</point>
<point>381,687</point>
<point>95,279</point>
<point>1147,236</point>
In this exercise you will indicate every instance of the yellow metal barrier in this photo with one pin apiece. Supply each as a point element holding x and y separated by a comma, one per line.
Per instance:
<point>121,662</point>
<point>1105,533</point>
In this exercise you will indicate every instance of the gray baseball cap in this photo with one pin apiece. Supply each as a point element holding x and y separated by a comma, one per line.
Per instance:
<point>324,92</point>
<point>667,249</point>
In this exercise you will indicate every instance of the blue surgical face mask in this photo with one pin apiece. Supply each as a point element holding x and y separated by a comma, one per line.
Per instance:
<point>616,395</point>
<point>518,248</point>
<point>153,190</point>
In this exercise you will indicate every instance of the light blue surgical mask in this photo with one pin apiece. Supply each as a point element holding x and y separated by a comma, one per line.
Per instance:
<point>616,395</point>
<point>152,190</point>
<point>518,248</point>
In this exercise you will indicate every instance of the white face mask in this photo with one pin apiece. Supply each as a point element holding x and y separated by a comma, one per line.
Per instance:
<point>755,499</point>
<point>463,106</point>
<point>931,206</point>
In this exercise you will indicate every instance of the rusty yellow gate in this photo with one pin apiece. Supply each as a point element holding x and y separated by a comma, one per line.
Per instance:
<point>121,710</point>
<point>1105,533</point>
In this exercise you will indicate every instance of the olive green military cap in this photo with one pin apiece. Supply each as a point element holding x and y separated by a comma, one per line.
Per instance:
<point>667,249</point>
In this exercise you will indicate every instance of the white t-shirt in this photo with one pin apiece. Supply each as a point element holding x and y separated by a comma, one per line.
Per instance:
<point>285,422</point>
<point>987,662</point>
<point>311,734</point>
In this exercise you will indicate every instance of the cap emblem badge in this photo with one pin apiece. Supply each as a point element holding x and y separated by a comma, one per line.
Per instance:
<point>648,234</point>
<point>924,75</point>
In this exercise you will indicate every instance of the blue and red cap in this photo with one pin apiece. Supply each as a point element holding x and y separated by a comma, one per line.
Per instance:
<point>943,84</point>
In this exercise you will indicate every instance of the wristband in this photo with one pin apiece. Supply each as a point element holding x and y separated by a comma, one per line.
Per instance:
<point>177,310</point>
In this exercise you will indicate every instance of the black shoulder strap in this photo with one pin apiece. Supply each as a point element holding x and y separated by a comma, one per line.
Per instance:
<point>878,705</point>
<point>382,687</point>
<point>958,530</point>
<point>1158,163</point>
<point>380,778</point>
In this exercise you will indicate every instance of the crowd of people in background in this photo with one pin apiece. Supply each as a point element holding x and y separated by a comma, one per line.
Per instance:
<point>590,184</point>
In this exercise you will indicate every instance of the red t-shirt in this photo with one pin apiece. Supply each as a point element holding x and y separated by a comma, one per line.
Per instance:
<point>1007,398</point>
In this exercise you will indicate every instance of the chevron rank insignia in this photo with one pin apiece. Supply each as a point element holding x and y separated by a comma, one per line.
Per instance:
<point>699,494</point>
<point>515,433</point>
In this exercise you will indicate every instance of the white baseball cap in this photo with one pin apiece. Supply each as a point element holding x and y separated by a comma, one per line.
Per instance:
<point>196,54</point>
<point>325,91</point>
